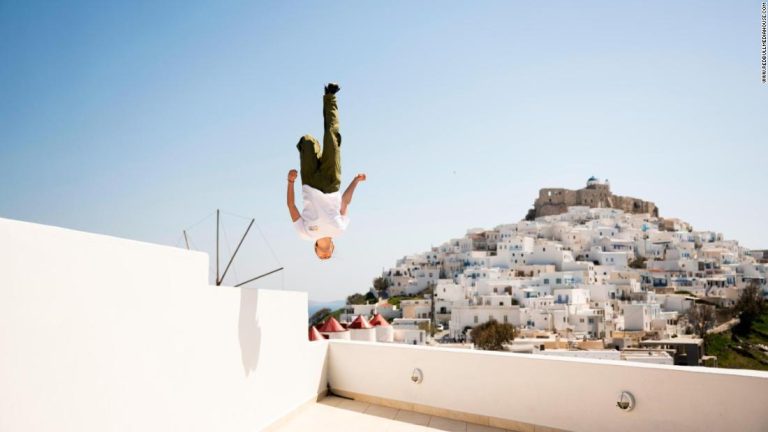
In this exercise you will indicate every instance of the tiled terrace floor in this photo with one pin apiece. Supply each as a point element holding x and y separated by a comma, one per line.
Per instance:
<point>337,414</point>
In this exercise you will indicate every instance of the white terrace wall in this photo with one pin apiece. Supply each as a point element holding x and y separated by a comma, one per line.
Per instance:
<point>105,334</point>
<point>564,393</point>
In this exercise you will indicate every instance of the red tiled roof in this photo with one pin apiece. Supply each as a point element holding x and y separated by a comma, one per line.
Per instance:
<point>360,323</point>
<point>314,334</point>
<point>379,320</point>
<point>331,326</point>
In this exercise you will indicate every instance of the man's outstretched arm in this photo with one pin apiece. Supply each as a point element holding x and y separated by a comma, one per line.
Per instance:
<point>346,198</point>
<point>295,215</point>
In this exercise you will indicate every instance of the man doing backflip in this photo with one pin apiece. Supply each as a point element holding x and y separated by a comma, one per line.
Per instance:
<point>325,210</point>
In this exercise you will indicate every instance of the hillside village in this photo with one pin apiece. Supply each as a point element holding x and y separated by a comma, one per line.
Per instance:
<point>589,281</point>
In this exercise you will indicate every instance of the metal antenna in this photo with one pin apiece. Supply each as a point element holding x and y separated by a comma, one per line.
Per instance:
<point>217,246</point>
<point>219,276</point>
<point>219,281</point>
<point>259,277</point>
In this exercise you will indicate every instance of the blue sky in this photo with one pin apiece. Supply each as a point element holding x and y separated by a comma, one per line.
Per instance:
<point>138,119</point>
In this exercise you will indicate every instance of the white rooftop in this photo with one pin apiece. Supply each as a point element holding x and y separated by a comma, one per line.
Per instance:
<point>337,414</point>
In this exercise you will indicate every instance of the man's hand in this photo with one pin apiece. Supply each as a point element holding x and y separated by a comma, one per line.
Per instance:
<point>292,174</point>
<point>346,198</point>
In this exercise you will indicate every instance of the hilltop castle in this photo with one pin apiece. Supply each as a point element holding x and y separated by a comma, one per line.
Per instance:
<point>553,201</point>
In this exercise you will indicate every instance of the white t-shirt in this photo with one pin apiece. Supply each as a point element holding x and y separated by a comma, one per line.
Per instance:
<point>321,216</point>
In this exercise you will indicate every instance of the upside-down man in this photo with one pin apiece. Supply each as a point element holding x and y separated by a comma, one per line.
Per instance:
<point>325,210</point>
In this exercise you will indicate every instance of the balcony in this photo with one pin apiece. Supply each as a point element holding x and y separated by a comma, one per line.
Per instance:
<point>99,333</point>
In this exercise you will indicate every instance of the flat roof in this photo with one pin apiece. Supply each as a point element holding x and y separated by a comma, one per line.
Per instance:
<point>675,341</point>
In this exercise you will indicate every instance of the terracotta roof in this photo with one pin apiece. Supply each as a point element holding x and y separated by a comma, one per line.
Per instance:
<point>331,326</point>
<point>360,323</point>
<point>314,334</point>
<point>379,320</point>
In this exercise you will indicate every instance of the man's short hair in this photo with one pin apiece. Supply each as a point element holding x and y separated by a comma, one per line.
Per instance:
<point>333,247</point>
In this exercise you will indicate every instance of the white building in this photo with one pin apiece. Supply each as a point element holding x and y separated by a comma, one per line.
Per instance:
<point>638,316</point>
<point>410,331</point>
<point>569,274</point>
<point>547,252</point>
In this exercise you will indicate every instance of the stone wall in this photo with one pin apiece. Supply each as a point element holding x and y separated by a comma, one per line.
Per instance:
<point>553,201</point>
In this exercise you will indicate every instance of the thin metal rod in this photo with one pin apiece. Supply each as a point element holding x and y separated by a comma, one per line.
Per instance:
<point>186,239</point>
<point>258,277</point>
<point>217,247</point>
<point>223,275</point>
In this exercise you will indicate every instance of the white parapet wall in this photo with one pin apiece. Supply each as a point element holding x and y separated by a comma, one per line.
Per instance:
<point>524,391</point>
<point>105,334</point>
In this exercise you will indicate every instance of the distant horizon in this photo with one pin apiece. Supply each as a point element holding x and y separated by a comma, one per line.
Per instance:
<point>314,301</point>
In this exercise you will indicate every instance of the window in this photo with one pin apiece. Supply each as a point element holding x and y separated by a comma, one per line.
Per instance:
<point>506,320</point>
<point>546,281</point>
<point>475,319</point>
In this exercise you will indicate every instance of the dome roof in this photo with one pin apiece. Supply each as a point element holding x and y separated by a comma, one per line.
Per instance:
<point>360,323</point>
<point>314,334</point>
<point>331,326</point>
<point>593,178</point>
<point>379,320</point>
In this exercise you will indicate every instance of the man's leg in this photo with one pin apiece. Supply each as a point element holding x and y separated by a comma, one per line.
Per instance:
<point>309,153</point>
<point>330,161</point>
